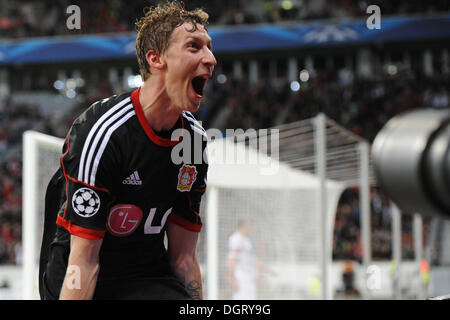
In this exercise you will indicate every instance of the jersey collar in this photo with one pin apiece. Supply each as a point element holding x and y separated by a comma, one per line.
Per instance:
<point>160,141</point>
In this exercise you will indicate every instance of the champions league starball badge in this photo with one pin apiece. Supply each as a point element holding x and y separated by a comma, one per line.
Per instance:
<point>85,202</point>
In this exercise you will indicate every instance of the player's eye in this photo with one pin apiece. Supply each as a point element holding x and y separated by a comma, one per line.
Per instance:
<point>193,45</point>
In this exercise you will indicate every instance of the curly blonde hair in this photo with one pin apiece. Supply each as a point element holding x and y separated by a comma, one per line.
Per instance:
<point>156,26</point>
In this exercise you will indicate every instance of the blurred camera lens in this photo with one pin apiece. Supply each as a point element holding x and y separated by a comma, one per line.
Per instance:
<point>412,161</point>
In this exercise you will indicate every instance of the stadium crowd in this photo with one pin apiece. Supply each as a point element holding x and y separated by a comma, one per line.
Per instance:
<point>27,18</point>
<point>362,105</point>
<point>14,120</point>
<point>347,237</point>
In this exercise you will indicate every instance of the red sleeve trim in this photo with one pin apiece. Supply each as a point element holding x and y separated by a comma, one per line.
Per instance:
<point>80,231</point>
<point>184,223</point>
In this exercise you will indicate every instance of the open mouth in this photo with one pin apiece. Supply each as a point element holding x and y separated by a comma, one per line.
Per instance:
<point>198,83</point>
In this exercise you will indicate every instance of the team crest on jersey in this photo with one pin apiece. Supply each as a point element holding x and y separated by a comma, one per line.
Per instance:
<point>186,177</point>
<point>85,202</point>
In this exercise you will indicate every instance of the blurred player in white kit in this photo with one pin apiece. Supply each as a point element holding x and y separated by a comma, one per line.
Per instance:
<point>243,266</point>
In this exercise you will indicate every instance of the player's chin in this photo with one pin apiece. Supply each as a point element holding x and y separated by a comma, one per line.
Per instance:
<point>192,107</point>
<point>194,101</point>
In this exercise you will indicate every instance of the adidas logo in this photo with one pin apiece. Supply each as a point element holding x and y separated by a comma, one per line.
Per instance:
<point>133,179</point>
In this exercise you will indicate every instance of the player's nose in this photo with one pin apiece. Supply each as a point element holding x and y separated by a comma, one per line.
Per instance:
<point>209,59</point>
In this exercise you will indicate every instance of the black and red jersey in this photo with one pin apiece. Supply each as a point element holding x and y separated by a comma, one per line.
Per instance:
<point>122,182</point>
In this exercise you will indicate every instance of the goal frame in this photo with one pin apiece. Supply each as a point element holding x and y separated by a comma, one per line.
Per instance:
<point>31,141</point>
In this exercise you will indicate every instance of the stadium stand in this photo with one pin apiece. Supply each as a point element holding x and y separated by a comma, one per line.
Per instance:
<point>26,18</point>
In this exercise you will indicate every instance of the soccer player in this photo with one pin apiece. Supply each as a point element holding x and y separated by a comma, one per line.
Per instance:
<point>118,191</point>
<point>242,264</point>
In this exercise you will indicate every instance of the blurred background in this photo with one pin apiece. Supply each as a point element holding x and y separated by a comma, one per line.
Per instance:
<point>279,61</point>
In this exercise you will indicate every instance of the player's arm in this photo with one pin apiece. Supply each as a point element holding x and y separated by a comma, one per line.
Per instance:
<point>83,268</point>
<point>234,251</point>
<point>88,160</point>
<point>231,264</point>
<point>183,258</point>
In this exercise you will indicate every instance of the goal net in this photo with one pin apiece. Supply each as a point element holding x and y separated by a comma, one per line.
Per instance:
<point>283,206</point>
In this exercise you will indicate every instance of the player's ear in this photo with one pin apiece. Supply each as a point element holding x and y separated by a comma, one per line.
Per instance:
<point>154,60</point>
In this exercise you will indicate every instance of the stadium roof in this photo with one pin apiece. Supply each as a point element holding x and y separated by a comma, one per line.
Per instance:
<point>232,39</point>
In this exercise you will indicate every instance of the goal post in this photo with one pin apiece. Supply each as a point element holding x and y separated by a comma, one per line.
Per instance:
<point>41,153</point>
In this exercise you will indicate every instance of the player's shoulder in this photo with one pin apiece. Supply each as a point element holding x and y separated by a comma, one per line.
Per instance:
<point>115,100</point>
<point>235,237</point>
<point>192,123</point>
<point>112,106</point>
<point>100,120</point>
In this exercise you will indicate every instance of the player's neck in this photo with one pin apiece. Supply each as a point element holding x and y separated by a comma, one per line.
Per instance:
<point>158,111</point>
